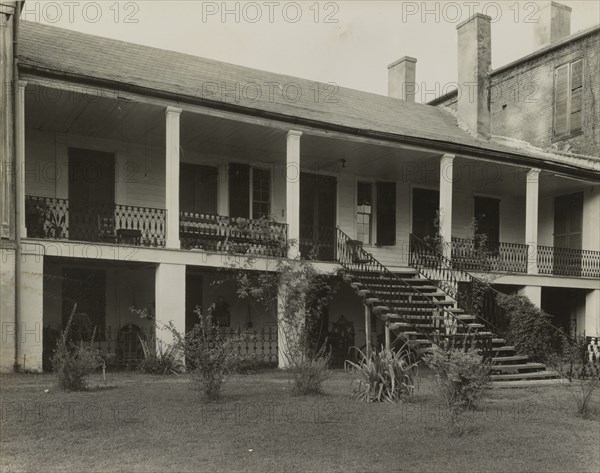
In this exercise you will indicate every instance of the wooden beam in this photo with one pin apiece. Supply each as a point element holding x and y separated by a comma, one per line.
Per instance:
<point>388,344</point>
<point>367,332</point>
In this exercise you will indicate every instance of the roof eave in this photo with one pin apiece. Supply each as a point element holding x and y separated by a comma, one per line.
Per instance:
<point>467,151</point>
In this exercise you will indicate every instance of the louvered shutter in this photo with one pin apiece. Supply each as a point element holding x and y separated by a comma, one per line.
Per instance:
<point>561,100</point>
<point>576,95</point>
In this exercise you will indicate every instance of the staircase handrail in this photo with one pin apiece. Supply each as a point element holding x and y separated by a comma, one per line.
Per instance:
<point>448,265</point>
<point>365,255</point>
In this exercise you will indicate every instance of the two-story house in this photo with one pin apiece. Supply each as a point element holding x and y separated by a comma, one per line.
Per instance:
<point>133,174</point>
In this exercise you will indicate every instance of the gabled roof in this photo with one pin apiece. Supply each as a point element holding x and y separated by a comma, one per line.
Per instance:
<point>86,58</point>
<point>62,50</point>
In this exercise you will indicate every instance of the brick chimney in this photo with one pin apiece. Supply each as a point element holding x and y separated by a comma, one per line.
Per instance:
<point>553,23</point>
<point>474,65</point>
<point>401,79</point>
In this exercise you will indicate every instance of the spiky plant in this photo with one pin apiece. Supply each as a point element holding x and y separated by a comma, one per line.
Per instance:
<point>384,375</point>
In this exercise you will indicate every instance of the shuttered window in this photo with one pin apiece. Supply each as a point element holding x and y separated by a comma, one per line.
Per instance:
<point>568,99</point>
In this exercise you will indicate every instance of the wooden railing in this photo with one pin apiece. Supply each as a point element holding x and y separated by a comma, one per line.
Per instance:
<point>395,292</point>
<point>469,255</point>
<point>568,262</point>
<point>61,219</point>
<point>121,347</point>
<point>217,233</point>
<point>471,293</point>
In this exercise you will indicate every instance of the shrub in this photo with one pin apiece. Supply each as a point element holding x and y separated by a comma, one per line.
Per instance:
<point>308,375</point>
<point>529,328</point>
<point>578,375</point>
<point>383,375</point>
<point>461,376</point>
<point>73,363</point>
<point>213,357</point>
<point>159,358</point>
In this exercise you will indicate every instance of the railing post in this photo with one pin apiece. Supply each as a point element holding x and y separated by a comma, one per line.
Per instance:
<point>172,176</point>
<point>531,219</point>
<point>388,344</point>
<point>367,332</point>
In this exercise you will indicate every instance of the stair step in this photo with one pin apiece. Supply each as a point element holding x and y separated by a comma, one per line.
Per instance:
<point>522,366</point>
<point>504,348</point>
<point>498,340</point>
<point>465,317</point>
<point>534,375</point>
<point>498,359</point>
<point>474,325</point>
<point>525,383</point>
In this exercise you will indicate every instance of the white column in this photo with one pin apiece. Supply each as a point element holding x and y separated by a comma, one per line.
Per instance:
<point>170,300</point>
<point>531,218</point>
<point>446,181</point>
<point>20,157</point>
<point>533,293</point>
<point>172,176</point>
<point>592,313</point>
<point>32,309</point>
<point>292,192</point>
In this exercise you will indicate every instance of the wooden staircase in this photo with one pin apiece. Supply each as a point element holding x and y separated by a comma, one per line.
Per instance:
<point>420,312</point>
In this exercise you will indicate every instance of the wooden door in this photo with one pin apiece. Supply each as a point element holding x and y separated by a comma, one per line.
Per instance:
<point>91,195</point>
<point>318,202</point>
<point>386,213</point>
<point>425,206</point>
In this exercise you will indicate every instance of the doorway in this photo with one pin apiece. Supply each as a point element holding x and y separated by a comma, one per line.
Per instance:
<point>91,195</point>
<point>318,201</point>
<point>425,205</point>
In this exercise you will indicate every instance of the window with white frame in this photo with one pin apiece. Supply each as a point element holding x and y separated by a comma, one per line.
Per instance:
<point>364,212</point>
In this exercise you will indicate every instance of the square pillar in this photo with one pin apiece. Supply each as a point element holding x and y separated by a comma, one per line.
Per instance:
<point>292,192</point>
<point>20,156</point>
<point>7,308</point>
<point>592,313</point>
<point>31,321</point>
<point>172,176</point>
<point>289,327</point>
<point>531,218</point>
<point>446,183</point>
<point>533,293</point>
<point>170,300</point>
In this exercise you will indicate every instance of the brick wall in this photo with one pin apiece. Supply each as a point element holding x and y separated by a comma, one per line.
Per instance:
<point>522,98</point>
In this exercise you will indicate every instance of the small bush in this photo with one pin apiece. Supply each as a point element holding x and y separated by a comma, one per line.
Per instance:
<point>383,375</point>
<point>461,377</point>
<point>308,376</point>
<point>529,328</point>
<point>73,363</point>
<point>213,357</point>
<point>578,375</point>
<point>159,358</point>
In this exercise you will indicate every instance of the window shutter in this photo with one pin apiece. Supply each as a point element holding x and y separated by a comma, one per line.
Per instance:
<point>561,100</point>
<point>576,95</point>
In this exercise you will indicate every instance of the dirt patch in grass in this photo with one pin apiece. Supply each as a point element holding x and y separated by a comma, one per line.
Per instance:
<point>140,423</point>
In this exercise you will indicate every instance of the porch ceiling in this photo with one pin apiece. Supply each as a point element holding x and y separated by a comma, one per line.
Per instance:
<point>69,112</point>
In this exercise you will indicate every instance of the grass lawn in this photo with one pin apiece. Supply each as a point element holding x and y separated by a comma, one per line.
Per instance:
<point>142,423</point>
